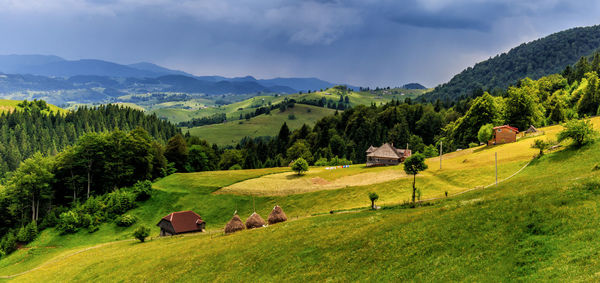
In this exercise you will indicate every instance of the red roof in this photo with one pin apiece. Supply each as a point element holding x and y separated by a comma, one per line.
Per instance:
<point>507,127</point>
<point>184,221</point>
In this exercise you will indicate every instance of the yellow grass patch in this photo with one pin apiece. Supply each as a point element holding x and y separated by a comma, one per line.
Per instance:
<point>317,179</point>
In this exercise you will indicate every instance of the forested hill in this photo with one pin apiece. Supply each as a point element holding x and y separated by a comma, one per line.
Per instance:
<point>33,129</point>
<point>545,56</point>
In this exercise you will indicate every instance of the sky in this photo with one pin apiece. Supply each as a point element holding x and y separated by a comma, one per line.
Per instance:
<point>359,42</point>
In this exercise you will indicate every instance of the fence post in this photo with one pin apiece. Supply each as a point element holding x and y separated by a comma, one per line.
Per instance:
<point>496,155</point>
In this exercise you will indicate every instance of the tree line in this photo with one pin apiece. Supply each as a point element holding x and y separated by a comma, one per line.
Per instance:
<point>32,128</point>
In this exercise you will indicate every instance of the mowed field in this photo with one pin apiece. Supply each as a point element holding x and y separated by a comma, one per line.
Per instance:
<point>538,225</point>
<point>262,125</point>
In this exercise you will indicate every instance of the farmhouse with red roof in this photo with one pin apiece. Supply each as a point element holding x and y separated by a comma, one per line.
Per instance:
<point>181,222</point>
<point>504,134</point>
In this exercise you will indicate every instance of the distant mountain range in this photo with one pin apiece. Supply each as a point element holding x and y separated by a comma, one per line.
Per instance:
<point>139,76</point>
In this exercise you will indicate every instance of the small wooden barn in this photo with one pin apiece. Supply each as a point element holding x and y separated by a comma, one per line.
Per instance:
<point>386,155</point>
<point>181,222</point>
<point>531,130</point>
<point>504,134</point>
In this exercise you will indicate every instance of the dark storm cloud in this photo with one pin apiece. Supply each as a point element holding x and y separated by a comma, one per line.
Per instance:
<point>360,42</point>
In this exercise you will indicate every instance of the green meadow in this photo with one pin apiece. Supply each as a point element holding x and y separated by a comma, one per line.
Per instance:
<point>444,237</point>
<point>263,125</point>
<point>538,225</point>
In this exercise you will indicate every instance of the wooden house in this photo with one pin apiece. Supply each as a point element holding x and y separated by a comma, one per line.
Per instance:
<point>504,134</point>
<point>386,155</point>
<point>181,222</point>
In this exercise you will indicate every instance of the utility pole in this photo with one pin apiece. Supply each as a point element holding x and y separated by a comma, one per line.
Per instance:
<point>496,154</point>
<point>440,155</point>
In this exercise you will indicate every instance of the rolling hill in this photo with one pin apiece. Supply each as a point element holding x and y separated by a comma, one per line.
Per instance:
<point>537,225</point>
<point>541,57</point>
<point>269,125</point>
<point>263,125</point>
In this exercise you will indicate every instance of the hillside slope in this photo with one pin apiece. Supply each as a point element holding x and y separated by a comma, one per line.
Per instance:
<point>534,226</point>
<point>545,56</point>
<point>262,125</point>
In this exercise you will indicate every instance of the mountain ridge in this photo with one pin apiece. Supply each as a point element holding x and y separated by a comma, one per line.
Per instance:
<point>534,59</point>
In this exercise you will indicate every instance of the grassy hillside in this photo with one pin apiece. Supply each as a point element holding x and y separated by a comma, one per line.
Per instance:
<point>215,195</point>
<point>11,105</point>
<point>178,111</point>
<point>538,225</point>
<point>262,125</point>
<point>545,56</point>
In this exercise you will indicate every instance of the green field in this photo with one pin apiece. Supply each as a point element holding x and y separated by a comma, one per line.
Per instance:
<point>11,105</point>
<point>538,225</point>
<point>178,111</point>
<point>445,237</point>
<point>263,125</point>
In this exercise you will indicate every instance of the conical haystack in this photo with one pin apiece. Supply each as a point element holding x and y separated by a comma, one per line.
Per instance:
<point>234,225</point>
<point>277,215</point>
<point>254,221</point>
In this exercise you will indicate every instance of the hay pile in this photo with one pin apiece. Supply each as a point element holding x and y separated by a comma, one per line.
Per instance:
<point>234,225</point>
<point>254,221</point>
<point>277,215</point>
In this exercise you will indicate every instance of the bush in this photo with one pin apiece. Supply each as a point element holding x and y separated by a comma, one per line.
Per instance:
<point>126,220</point>
<point>235,167</point>
<point>322,162</point>
<point>141,233</point>
<point>335,161</point>
<point>93,228</point>
<point>142,190</point>
<point>68,222</point>
<point>581,132</point>
<point>472,145</point>
<point>291,117</point>
<point>8,244</point>
<point>119,202</point>
<point>51,219</point>
<point>28,233</point>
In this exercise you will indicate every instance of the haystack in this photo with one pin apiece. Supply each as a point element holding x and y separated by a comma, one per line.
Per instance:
<point>254,221</point>
<point>234,225</point>
<point>277,215</point>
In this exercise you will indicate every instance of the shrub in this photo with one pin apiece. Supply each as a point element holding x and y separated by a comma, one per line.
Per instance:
<point>581,132</point>
<point>68,222</point>
<point>93,228</point>
<point>335,161</point>
<point>50,220</point>
<point>92,205</point>
<point>142,190</point>
<point>141,233</point>
<point>541,145</point>
<point>291,117</point>
<point>235,167</point>
<point>119,201</point>
<point>8,244</point>
<point>85,220</point>
<point>322,162</point>
<point>126,220</point>
<point>472,145</point>
<point>28,233</point>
